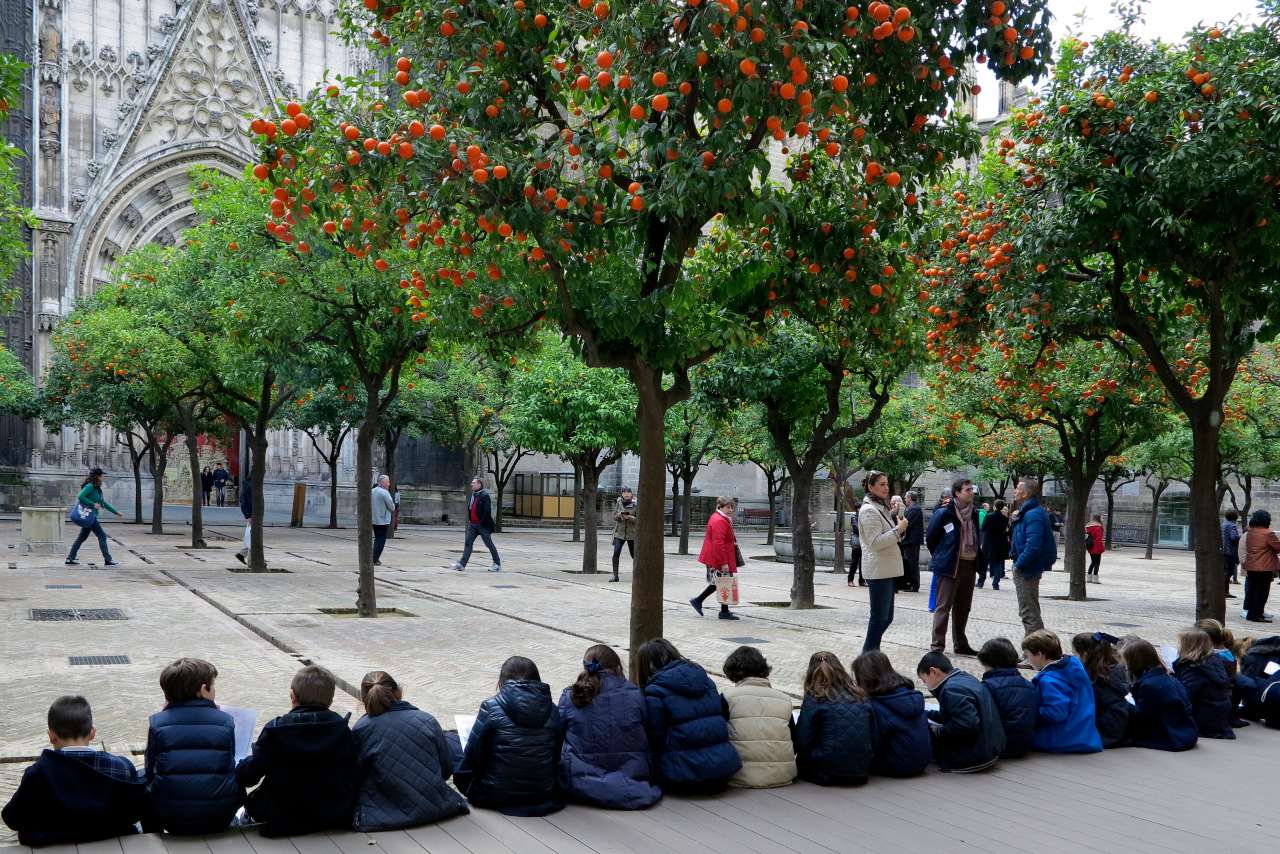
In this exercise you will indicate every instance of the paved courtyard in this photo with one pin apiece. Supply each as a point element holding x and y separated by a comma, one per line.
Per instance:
<point>451,631</point>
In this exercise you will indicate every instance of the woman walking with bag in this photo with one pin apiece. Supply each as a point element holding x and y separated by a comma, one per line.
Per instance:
<point>719,554</point>
<point>881,557</point>
<point>85,514</point>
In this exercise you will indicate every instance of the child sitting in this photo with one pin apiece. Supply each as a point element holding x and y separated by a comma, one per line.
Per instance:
<point>306,760</point>
<point>605,758</point>
<point>759,722</point>
<point>1224,646</point>
<point>73,793</point>
<point>1162,715</point>
<point>902,730</point>
<point>1259,690</point>
<point>1111,706</point>
<point>509,763</point>
<point>1204,674</point>
<point>684,720</point>
<point>835,734</point>
<point>191,754</point>
<point>966,730</point>
<point>1015,697</point>
<point>404,762</point>
<point>1066,720</point>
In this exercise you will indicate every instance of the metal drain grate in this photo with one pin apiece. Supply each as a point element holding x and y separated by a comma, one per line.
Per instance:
<point>71,615</point>
<point>62,587</point>
<point>504,587</point>
<point>97,660</point>
<point>748,640</point>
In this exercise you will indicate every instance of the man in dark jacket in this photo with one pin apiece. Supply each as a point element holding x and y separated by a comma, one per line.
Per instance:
<point>73,793</point>
<point>510,760</point>
<point>995,545</point>
<point>954,553</point>
<point>479,524</point>
<point>1034,551</point>
<point>220,478</point>
<point>191,755</point>
<point>1230,548</point>
<point>966,729</point>
<point>910,543</point>
<point>307,762</point>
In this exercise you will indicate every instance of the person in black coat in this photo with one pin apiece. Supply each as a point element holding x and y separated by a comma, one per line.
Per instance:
<point>835,735</point>
<point>684,719</point>
<point>912,540</point>
<point>206,484</point>
<point>605,760</point>
<point>966,729</point>
<point>404,762</point>
<point>1016,698</point>
<point>1162,716</point>
<point>479,524</point>
<point>73,793</point>
<point>510,759</point>
<point>995,545</point>
<point>1204,674</point>
<point>191,755</point>
<point>902,730</point>
<point>1258,690</point>
<point>306,761</point>
<point>1111,707</point>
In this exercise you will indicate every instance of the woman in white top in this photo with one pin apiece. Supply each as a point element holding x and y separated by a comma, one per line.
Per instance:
<point>881,558</point>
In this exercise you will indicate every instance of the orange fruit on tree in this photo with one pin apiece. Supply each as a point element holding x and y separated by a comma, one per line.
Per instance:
<point>660,102</point>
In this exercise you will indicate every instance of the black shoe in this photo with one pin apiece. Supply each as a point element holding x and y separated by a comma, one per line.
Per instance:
<point>72,562</point>
<point>862,583</point>
<point>1239,723</point>
<point>980,585</point>
<point>240,557</point>
<point>697,606</point>
<point>995,585</point>
<point>1231,595</point>
<point>112,563</point>
<point>615,578</point>
<point>728,615</point>
<point>965,650</point>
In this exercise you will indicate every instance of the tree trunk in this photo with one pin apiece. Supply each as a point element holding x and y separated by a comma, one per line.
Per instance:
<point>391,441</point>
<point>577,503</point>
<point>1079,485</point>
<point>1246,486</point>
<point>773,513</point>
<point>1111,516</point>
<point>197,491</point>
<point>590,519</point>
<point>159,462</point>
<point>499,487</point>
<point>647,575</point>
<point>1206,465</point>
<point>136,459</point>
<point>684,514</point>
<point>802,560</point>
<point>257,477</point>
<point>333,490</point>
<point>366,598</point>
<point>837,537</point>
<point>1156,492</point>
<point>675,503</point>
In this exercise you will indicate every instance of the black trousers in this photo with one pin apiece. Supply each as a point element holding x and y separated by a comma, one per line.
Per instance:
<point>379,540</point>
<point>911,568</point>
<point>1257,588</point>
<point>617,551</point>
<point>855,563</point>
<point>1095,560</point>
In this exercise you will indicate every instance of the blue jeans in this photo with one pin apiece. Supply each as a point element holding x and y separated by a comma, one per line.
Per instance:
<point>95,528</point>
<point>473,531</point>
<point>881,591</point>
<point>379,540</point>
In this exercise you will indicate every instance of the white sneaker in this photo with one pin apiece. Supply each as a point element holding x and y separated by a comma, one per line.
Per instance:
<point>457,566</point>
<point>497,567</point>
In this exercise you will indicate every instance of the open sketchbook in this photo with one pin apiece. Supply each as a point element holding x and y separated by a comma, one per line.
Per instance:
<point>245,721</point>
<point>464,723</point>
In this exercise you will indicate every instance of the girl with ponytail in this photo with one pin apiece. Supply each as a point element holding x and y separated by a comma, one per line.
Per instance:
<point>404,762</point>
<point>605,758</point>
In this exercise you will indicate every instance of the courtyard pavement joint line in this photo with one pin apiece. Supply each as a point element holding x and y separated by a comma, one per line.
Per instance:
<point>260,632</point>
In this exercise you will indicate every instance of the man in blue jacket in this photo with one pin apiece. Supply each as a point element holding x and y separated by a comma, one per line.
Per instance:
<point>1034,551</point>
<point>954,554</point>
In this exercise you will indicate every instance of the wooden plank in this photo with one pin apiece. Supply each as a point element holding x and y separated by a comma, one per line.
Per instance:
<point>662,834</point>
<point>102,846</point>
<point>684,817</point>
<point>262,845</point>
<point>753,823</point>
<point>58,849</point>
<point>186,845</point>
<point>314,843</point>
<point>511,835</point>
<point>549,835</point>
<point>473,837</point>
<point>352,842</point>
<point>238,842</point>
<point>396,842</point>
<point>611,836</point>
<point>434,839</point>
<point>143,843</point>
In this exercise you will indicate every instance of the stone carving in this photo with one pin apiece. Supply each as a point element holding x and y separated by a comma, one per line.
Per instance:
<point>110,137</point>
<point>79,199</point>
<point>132,216</point>
<point>108,55</point>
<point>209,85</point>
<point>163,194</point>
<point>50,41</point>
<point>50,113</point>
<point>282,83</point>
<point>154,51</point>
<point>110,248</point>
<point>129,75</point>
<point>264,44</point>
<point>50,146</point>
<point>168,23</point>
<point>165,237</point>
<point>94,168</point>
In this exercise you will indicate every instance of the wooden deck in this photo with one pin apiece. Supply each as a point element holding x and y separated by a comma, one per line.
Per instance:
<point>1219,797</point>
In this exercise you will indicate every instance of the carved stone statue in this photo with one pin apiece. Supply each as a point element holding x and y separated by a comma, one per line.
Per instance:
<point>50,41</point>
<point>51,112</point>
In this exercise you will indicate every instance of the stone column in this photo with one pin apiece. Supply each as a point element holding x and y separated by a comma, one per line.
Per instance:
<point>50,97</point>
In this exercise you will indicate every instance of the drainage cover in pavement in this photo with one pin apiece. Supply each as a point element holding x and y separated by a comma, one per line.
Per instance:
<point>504,587</point>
<point>354,612</point>
<point>256,571</point>
<point>786,603</point>
<point>70,615</point>
<point>745,640</point>
<point>97,660</point>
<point>62,587</point>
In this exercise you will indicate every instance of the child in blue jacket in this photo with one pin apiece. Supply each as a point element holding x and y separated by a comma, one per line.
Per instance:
<point>1162,715</point>
<point>902,728</point>
<point>1015,697</point>
<point>605,759</point>
<point>191,754</point>
<point>1065,722</point>
<point>685,722</point>
<point>835,735</point>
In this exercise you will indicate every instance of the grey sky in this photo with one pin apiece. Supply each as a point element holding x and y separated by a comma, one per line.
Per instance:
<point>1167,19</point>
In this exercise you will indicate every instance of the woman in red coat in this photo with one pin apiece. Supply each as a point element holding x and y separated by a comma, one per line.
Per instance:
<point>719,553</point>
<point>1095,547</point>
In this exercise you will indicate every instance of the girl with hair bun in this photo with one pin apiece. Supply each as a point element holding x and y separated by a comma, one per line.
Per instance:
<point>605,758</point>
<point>404,762</point>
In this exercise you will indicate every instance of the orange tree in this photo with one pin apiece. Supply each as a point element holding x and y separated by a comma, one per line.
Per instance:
<point>1144,199</point>
<point>573,154</point>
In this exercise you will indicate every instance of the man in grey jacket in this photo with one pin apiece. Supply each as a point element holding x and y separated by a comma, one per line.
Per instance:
<point>384,507</point>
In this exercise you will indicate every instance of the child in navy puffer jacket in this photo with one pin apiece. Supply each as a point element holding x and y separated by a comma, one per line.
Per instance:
<point>1015,697</point>
<point>835,735</point>
<point>685,722</point>
<point>902,744</point>
<point>191,755</point>
<point>1162,717</point>
<point>1204,674</point>
<point>605,760</point>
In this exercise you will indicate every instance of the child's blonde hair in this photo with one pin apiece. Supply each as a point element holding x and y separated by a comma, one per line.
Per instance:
<point>1194,645</point>
<point>1241,646</point>
<point>1218,633</point>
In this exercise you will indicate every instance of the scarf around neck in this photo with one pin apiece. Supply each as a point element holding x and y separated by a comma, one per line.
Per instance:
<point>968,534</point>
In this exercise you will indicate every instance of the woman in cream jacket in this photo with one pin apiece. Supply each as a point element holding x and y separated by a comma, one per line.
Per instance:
<point>881,558</point>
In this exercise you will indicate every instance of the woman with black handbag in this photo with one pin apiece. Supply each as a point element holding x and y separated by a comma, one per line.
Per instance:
<point>85,514</point>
